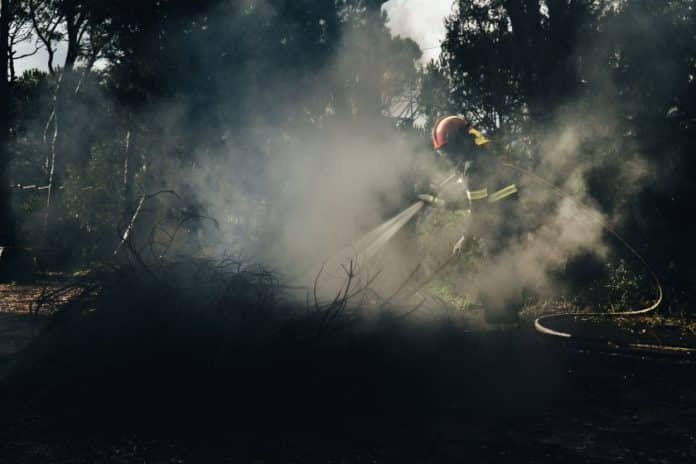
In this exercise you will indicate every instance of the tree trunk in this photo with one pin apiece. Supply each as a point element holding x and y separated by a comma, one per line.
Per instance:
<point>55,144</point>
<point>531,47</point>
<point>74,24</point>
<point>72,52</point>
<point>7,226</point>
<point>128,165</point>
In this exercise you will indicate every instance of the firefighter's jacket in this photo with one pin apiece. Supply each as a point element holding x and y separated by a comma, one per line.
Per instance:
<point>484,182</point>
<point>488,191</point>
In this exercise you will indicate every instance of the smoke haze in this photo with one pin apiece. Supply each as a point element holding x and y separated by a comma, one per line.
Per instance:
<point>320,188</point>
<point>298,165</point>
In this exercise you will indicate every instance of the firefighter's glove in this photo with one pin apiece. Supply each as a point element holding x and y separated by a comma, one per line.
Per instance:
<point>459,246</point>
<point>431,199</point>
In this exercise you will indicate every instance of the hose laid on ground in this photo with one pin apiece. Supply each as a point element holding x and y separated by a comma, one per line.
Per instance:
<point>539,323</point>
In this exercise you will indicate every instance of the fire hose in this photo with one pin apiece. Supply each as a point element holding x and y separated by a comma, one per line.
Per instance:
<point>539,323</point>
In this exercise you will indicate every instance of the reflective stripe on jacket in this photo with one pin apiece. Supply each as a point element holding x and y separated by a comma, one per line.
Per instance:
<point>482,194</point>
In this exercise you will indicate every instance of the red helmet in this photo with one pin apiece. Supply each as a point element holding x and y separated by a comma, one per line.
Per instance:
<point>449,128</point>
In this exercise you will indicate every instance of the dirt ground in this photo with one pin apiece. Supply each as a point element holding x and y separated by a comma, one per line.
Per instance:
<point>22,298</point>
<point>19,319</point>
<point>604,409</point>
<point>555,402</point>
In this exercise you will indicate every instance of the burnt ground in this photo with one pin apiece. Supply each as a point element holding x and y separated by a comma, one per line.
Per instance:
<point>461,397</point>
<point>601,408</point>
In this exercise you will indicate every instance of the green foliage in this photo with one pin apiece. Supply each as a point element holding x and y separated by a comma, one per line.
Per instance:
<point>194,81</point>
<point>437,230</point>
<point>436,233</point>
<point>93,197</point>
<point>433,98</point>
<point>191,82</point>
<point>619,76</point>
<point>623,286</point>
<point>447,293</point>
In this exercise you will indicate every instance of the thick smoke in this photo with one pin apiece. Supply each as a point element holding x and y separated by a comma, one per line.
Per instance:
<point>587,173</point>
<point>321,187</point>
<point>423,20</point>
<point>301,192</point>
<point>324,194</point>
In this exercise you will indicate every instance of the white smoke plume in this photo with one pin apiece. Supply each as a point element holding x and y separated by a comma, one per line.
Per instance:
<point>325,186</point>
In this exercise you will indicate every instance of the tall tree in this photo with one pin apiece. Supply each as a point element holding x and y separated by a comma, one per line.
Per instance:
<point>71,22</point>
<point>625,69</point>
<point>512,60</point>
<point>191,81</point>
<point>7,226</point>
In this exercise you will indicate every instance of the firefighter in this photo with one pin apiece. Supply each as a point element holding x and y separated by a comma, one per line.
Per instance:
<point>488,194</point>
